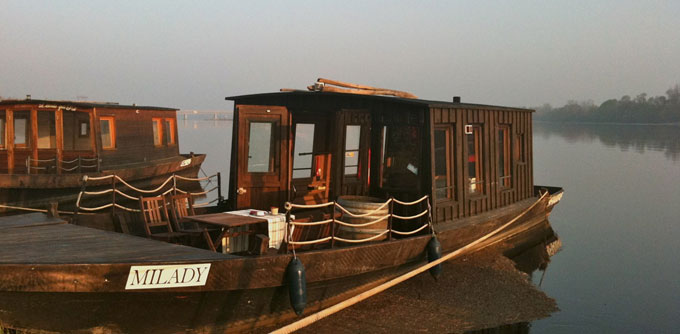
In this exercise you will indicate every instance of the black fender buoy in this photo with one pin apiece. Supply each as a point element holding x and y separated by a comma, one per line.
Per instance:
<point>297,285</point>
<point>434,253</point>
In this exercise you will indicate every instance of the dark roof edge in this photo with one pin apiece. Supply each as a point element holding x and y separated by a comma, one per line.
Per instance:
<point>84,104</point>
<point>428,103</point>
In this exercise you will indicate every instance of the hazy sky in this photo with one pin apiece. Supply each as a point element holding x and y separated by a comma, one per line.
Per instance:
<point>191,54</point>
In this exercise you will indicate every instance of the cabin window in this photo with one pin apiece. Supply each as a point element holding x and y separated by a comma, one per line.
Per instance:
<point>474,159</point>
<point>108,132</point>
<point>3,133</point>
<point>443,181</point>
<point>352,140</point>
<point>260,153</point>
<point>303,152</point>
<point>520,148</point>
<point>157,131</point>
<point>169,131</point>
<point>22,129</point>
<point>401,157</point>
<point>47,137</point>
<point>503,152</point>
<point>83,129</point>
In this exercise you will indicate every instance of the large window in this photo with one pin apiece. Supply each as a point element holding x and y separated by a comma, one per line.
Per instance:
<point>260,153</point>
<point>304,147</point>
<point>352,141</point>
<point>401,156</point>
<point>503,153</point>
<point>108,132</point>
<point>443,181</point>
<point>474,159</point>
<point>22,129</point>
<point>47,135</point>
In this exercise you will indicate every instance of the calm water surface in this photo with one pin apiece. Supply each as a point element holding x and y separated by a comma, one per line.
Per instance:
<point>619,221</point>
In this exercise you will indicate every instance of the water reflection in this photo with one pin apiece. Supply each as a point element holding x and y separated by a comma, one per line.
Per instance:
<point>639,138</point>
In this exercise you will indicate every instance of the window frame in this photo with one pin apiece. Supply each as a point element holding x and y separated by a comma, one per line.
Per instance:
<point>27,129</point>
<point>477,132</point>
<point>505,180</point>
<point>357,151</point>
<point>272,166</point>
<point>112,132</point>
<point>312,164</point>
<point>158,134</point>
<point>172,140</point>
<point>449,146</point>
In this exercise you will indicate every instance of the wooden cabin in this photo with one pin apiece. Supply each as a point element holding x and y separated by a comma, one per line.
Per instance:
<point>311,147</point>
<point>59,137</point>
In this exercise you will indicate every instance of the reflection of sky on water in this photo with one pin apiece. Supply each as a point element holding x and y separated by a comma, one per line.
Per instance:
<point>637,138</point>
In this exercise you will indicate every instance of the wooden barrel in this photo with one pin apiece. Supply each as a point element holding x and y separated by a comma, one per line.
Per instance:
<point>359,205</point>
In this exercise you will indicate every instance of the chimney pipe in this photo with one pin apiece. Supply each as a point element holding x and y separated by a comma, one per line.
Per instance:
<point>456,99</point>
<point>28,96</point>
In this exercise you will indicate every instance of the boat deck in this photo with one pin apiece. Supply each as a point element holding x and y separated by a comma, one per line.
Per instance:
<point>36,238</point>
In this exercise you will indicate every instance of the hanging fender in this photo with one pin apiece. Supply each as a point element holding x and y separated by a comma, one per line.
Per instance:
<point>434,253</point>
<point>297,285</point>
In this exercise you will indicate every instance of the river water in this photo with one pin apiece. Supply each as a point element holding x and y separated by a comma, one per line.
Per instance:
<point>619,221</point>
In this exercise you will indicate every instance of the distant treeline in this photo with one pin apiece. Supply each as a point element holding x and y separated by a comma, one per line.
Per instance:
<point>641,109</point>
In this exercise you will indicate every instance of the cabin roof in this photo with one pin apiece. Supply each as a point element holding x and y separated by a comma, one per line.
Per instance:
<point>375,98</point>
<point>81,104</point>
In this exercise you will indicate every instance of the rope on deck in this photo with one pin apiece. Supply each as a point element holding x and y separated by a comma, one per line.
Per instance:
<point>362,224</point>
<point>380,288</point>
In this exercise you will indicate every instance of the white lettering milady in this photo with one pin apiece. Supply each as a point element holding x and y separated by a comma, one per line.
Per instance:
<point>167,276</point>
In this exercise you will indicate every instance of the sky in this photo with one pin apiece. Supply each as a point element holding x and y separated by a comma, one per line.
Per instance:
<point>192,54</point>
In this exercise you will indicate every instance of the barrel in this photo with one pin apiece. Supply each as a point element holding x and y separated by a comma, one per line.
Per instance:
<point>359,205</point>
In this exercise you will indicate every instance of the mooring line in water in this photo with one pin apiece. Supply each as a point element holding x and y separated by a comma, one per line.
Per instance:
<point>380,288</point>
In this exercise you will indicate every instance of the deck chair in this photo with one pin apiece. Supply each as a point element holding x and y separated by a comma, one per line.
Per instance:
<point>155,216</point>
<point>182,205</point>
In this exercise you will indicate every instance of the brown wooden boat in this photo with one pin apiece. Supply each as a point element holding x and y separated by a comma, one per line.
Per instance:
<point>453,169</point>
<point>46,147</point>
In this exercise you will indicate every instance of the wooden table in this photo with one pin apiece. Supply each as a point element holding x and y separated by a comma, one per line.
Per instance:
<point>226,222</point>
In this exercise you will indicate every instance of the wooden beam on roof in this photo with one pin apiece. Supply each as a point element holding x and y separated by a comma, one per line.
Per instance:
<point>383,91</point>
<point>331,89</point>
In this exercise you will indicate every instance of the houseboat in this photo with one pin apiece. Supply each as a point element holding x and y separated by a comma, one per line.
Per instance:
<point>46,147</point>
<point>366,182</point>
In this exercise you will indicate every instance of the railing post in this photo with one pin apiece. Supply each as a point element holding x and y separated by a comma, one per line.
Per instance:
<point>333,227</point>
<point>174,185</point>
<point>80,165</point>
<point>99,167</point>
<point>113,199</point>
<point>219,187</point>
<point>28,165</point>
<point>83,186</point>
<point>389,219</point>
<point>286,236</point>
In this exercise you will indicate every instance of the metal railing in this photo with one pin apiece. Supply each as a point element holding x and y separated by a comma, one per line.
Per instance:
<point>333,221</point>
<point>128,192</point>
<point>53,166</point>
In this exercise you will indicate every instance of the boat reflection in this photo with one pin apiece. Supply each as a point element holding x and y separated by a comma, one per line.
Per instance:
<point>640,138</point>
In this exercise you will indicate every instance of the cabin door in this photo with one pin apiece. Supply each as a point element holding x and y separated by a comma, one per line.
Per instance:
<point>263,158</point>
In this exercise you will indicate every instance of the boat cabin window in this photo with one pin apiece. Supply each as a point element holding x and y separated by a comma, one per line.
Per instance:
<point>401,156</point>
<point>520,149</point>
<point>169,131</point>
<point>156,124</point>
<point>352,140</point>
<point>503,151</point>
<point>47,137</point>
<point>22,128</point>
<point>260,153</point>
<point>3,133</point>
<point>108,132</point>
<point>474,161</point>
<point>303,152</point>
<point>443,182</point>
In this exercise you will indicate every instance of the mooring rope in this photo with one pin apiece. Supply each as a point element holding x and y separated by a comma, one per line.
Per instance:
<point>380,288</point>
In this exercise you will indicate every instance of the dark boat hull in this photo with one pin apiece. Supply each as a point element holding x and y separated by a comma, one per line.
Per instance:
<point>241,293</point>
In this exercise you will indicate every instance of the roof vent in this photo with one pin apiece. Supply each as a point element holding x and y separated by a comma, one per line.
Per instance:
<point>28,96</point>
<point>456,99</point>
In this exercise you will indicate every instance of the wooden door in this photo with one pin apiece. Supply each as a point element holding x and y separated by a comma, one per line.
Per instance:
<point>352,147</point>
<point>262,177</point>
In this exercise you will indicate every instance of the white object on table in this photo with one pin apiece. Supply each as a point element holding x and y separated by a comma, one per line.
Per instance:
<point>276,228</point>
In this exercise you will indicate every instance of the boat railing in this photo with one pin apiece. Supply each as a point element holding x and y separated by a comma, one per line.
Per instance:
<point>57,166</point>
<point>340,211</point>
<point>122,192</point>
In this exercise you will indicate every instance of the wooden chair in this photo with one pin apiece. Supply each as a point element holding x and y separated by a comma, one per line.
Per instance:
<point>182,205</point>
<point>155,216</point>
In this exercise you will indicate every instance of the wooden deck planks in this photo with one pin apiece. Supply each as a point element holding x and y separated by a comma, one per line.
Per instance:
<point>28,220</point>
<point>55,242</point>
